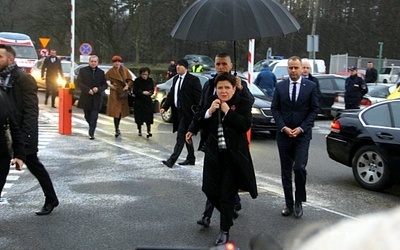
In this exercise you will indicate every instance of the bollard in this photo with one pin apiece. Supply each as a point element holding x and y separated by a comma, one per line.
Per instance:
<point>65,111</point>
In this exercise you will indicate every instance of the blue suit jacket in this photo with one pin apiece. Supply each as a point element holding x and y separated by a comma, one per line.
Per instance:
<point>302,113</point>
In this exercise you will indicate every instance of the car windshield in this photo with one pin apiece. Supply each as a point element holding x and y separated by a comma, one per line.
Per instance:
<point>25,52</point>
<point>255,90</point>
<point>385,71</point>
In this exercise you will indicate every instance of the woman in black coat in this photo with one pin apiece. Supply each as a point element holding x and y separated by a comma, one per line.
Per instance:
<point>143,88</point>
<point>228,166</point>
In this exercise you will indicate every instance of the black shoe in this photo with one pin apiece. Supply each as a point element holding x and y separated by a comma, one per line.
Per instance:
<point>91,137</point>
<point>53,106</point>
<point>168,163</point>
<point>117,132</point>
<point>47,208</point>
<point>298,209</point>
<point>139,133</point>
<point>186,162</point>
<point>222,239</point>
<point>287,211</point>
<point>204,221</point>
<point>149,135</point>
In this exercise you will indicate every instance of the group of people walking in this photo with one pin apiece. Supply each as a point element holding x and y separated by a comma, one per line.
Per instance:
<point>220,112</point>
<point>93,81</point>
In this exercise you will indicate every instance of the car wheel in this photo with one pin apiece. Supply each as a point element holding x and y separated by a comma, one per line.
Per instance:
<point>166,116</point>
<point>370,169</point>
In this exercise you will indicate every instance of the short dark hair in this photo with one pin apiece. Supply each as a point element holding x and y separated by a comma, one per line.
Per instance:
<point>8,49</point>
<point>144,69</point>
<point>223,55</point>
<point>225,77</point>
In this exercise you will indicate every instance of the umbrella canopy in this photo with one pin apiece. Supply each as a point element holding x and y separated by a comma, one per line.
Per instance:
<point>230,20</point>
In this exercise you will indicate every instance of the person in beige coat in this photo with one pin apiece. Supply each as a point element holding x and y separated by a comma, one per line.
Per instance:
<point>120,80</point>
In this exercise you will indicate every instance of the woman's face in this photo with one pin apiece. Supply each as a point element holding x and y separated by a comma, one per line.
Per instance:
<point>225,90</point>
<point>117,64</point>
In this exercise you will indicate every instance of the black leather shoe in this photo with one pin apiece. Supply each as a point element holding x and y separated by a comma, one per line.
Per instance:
<point>287,211</point>
<point>168,163</point>
<point>149,135</point>
<point>204,221</point>
<point>117,133</point>
<point>91,137</point>
<point>222,239</point>
<point>47,208</point>
<point>186,162</point>
<point>298,209</point>
<point>53,106</point>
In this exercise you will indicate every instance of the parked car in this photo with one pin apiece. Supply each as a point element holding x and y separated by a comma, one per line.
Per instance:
<point>368,141</point>
<point>36,72</point>
<point>105,94</point>
<point>330,85</point>
<point>261,110</point>
<point>206,61</point>
<point>376,93</point>
<point>389,74</point>
<point>394,94</point>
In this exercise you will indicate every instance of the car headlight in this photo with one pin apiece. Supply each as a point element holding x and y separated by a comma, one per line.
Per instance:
<point>255,111</point>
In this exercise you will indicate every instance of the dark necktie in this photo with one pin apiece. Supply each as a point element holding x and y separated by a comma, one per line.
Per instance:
<point>294,93</point>
<point>179,92</point>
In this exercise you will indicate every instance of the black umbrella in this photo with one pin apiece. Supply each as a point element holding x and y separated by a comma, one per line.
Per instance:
<point>231,20</point>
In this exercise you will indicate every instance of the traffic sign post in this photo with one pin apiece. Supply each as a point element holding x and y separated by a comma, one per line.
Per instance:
<point>85,49</point>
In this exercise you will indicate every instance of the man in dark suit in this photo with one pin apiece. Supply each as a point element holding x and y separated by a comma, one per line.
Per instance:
<point>183,98</point>
<point>294,107</point>
<point>21,90</point>
<point>92,82</point>
<point>52,67</point>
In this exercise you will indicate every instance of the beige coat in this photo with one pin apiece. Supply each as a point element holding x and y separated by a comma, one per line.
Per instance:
<point>116,105</point>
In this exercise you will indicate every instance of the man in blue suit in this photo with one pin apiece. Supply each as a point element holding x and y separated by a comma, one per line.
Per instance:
<point>294,107</point>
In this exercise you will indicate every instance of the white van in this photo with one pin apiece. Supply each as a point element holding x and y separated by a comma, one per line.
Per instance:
<point>389,74</point>
<point>26,53</point>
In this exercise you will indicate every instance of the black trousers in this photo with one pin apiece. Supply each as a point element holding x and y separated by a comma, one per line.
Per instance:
<point>180,142</point>
<point>51,90</point>
<point>4,170</point>
<point>91,117</point>
<point>37,169</point>
<point>208,211</point>
<point>293,153</point>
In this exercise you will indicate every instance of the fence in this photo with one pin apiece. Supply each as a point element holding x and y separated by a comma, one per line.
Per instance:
<point>340,63</point>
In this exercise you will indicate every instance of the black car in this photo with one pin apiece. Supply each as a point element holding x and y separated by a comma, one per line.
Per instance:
<point>330,85</point>
<point>261,110</point>
<point>105,68</point>
<point>368,141</point>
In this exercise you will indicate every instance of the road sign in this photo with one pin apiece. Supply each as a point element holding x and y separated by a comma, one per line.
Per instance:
<point>85,49</point>
<point>44,52</point>
<point>44,41</point>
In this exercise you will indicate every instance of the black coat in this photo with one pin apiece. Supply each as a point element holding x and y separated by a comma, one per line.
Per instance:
<point>236,123</point>
<point>355,89</point>
<point>143,107</point>
<point>190,94</point>
<point>52,70</point>
<point>86,81</point>
<point>6,117</point>
<point>23,96</point>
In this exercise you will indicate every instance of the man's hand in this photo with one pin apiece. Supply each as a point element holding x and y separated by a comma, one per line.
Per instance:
<point>18,163</point>
<point>239,85</point>
<point>162,111</point>
<point>188,137</point>
<point>95,90</point>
